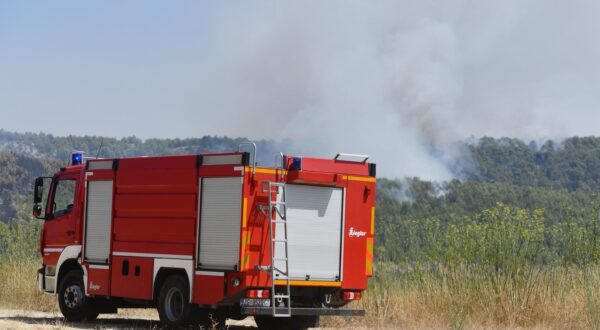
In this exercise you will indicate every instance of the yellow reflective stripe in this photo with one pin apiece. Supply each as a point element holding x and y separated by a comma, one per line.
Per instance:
<point>247,242</point>
<point>359,178</point>
<point>245,236</point>
<point>243,248</point>
<point>245,260</point>
<point>369,261</point>
<point>267,170</point>
<point>245,212</point>
<point>310,283</point>
<point>373,220</point>
<point>280,171</point>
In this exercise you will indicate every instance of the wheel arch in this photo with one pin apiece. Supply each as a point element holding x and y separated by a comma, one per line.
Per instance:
<point>163,274</point>
<point>68,260</point>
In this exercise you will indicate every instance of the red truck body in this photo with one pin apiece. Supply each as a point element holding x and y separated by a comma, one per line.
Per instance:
<point>214,220</point>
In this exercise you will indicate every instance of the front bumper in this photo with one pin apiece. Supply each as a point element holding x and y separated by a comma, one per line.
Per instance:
<point>304,311</point>
<point>46,283</point>
<point>40,278</point>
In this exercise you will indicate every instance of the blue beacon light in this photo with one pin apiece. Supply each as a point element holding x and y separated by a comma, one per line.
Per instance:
<point>297,161</point>
<point>296,164</point>
<point>77,158</point>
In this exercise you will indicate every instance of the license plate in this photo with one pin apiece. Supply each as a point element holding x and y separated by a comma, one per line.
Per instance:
<point>253,302</point>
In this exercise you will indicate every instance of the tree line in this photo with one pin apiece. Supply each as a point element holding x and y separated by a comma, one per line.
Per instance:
<point>554,183</point>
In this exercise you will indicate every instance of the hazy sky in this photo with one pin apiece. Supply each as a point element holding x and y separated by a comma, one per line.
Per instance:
<point>331,75</point>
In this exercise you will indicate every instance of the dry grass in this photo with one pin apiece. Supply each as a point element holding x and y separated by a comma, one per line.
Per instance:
<point>416,298</point>
<point>18,287</point>
<point>553,298</point>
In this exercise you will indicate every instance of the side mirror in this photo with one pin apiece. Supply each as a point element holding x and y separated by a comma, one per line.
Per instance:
<point>38,191</point>
<point>37,210</point>
<point>39,194</point>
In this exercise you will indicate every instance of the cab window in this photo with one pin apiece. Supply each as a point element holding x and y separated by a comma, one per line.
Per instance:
<point>64,194</point>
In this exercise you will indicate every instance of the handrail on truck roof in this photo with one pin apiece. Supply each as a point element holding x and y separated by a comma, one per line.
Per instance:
<point>279,156</point>
<point>362,157</point>
<point>249,143</point>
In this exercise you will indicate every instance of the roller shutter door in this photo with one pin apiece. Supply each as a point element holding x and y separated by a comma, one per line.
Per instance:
<point>98,221</point>
<point>220,223</point>
<point>314,222</point>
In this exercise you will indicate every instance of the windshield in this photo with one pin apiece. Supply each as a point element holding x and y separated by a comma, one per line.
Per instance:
<point>64,194</point>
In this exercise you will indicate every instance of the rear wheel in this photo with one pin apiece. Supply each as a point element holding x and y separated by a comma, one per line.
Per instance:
<point>73,303</point>
<point>296,322</point>
<point>173,302</point>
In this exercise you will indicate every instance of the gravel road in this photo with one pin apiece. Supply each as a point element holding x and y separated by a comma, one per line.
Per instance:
<point>128,319</point>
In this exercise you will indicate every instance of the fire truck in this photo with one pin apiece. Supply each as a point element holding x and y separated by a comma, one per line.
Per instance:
<point>207,237</point>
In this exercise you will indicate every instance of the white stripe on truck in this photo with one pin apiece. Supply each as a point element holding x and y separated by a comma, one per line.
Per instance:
<point>151,255</point>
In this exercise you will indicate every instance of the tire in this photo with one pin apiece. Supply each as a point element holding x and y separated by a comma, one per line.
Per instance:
<point>209,318</point>
<point>73,303</point>
<point>295,322</point>
<point>174,306</point>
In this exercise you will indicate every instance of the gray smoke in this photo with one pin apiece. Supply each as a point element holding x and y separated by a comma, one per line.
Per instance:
<point>396,78</point>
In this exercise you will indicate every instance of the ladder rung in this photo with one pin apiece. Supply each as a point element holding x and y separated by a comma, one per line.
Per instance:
<point>280,271</point>
<point>275,240</point>
<point>277,203</point>
<point>280,259</point>
<point>278,221</point>
<point>283,296</point>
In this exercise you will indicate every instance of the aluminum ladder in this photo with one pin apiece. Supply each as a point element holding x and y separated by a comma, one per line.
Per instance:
<point>278,215</point>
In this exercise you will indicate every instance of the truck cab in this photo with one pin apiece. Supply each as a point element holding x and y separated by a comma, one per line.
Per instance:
<point>61,212</point>
<point>208,237</point>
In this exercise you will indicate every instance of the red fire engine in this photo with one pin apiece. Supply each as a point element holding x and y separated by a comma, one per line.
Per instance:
<point>207,237</point>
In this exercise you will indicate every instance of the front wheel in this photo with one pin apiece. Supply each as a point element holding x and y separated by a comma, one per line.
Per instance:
<point>73,303</point>
<point>174,302</point>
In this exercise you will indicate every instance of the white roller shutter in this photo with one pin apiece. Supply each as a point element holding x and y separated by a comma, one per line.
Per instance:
<point>314,222</point>
<point>220,223</point>
<point>98,220</point>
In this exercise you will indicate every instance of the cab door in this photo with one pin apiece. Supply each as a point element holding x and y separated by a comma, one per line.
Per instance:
<point>60,223</point>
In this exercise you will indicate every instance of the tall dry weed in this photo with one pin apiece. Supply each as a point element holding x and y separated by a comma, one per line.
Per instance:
<point>411,297</point>
<point>18,287</point>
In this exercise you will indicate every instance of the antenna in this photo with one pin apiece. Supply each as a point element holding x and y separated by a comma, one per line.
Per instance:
<point>101,144</point>
<point>72,146</point>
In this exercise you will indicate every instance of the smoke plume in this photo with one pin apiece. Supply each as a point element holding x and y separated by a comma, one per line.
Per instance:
<point>396,79</point>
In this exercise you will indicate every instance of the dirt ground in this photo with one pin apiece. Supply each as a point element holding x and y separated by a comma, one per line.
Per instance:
<point>127,319</point>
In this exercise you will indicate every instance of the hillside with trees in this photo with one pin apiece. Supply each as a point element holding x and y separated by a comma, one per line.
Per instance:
<point>572,164</point>
<point>560,178</point>
<point>46,145</point>
<point>553,176</point>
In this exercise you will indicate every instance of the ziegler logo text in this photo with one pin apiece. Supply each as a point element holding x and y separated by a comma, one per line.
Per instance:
<point>354,233</point>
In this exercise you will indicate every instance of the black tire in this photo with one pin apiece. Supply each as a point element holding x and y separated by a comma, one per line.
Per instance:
<point>174,306</point>
<point>210,318</point>
<point>73,303</point>
<point>296,322</point>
